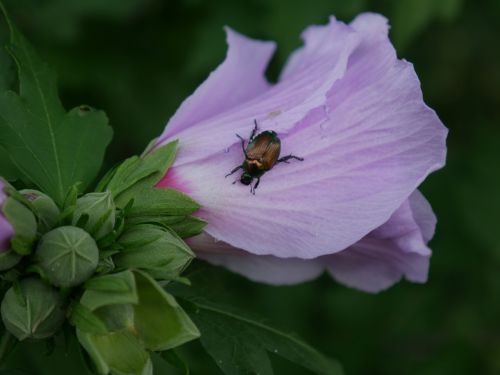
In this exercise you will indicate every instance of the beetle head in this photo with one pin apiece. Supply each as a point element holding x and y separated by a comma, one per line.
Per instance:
<point>246,179</point>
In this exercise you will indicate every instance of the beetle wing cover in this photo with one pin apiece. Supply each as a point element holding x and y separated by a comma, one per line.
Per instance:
<point>266,148</point>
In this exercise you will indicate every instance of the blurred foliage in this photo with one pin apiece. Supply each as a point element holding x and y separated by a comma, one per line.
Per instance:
<point>138,59</point>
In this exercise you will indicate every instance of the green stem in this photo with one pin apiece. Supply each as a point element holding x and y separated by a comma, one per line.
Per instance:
<point>7,342</point>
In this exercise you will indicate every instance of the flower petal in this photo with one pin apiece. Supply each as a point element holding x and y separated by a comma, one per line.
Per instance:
<point>261,268</point>
<point>279,108</point>
<point>366,150</point>
<point>238,79</point>
<point>397,249</point>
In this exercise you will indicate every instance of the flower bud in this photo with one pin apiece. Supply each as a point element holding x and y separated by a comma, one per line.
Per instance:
<point>68,256</point>
<point>100,209</point>
<point>17,224</point>
<point>32,309</point>
<point>45,209</point>
<point>155,249</point>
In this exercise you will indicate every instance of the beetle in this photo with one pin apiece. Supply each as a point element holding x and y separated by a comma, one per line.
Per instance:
<point>261,155</point>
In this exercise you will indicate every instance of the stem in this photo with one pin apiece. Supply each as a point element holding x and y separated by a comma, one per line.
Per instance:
<point>7,342</point>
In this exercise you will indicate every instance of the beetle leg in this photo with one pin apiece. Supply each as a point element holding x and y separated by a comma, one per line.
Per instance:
<point>234,170</point>
<point>254,131</point>
<point>252,190</point>
<point>285,159</point>
<point>243,145</point>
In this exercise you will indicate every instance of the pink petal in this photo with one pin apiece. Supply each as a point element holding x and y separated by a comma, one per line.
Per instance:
<point>396,249</point>
<point>278,108</point>
<point>238,79</point>
<point>366,149</point>
<point>262,268</point>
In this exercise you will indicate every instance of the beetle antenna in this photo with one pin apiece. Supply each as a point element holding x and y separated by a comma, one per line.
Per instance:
<point>234,170</point>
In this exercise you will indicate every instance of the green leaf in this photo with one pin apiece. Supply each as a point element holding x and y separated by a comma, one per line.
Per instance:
<point>7,169</point>
<point>48,146</point>
<point>158,319</point>
<point>175,360</point>
<point>238,344</point>
<point>117,288</point>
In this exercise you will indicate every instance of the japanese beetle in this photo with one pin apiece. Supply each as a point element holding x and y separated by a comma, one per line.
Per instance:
<point>261,155</point>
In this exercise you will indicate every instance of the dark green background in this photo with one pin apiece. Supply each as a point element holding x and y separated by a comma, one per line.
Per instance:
<point>137,59</point>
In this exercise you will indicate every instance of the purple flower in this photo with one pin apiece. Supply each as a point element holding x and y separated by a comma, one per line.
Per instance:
<point>355,113</point>
<point>6,229</point>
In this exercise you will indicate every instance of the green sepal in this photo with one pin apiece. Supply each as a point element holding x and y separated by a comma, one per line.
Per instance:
<point>184,226</point>
<point>105,265</point>
<point>155,249</point>
<point>153,166</point>
<point>9,259</point>
<point>69,205</point>
<point>32,309</point>
<point>189,227</point>
<point>116,288</point>
<point>24,223</point>
<point>158,319</point>
<point>99,211</point>
<point>44,208</point>
<point>120,353</point>
<point>85,320</point>
<point>163,220</point>
<point>151,201</point>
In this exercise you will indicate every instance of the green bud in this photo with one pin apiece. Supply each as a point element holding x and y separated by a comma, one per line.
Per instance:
<point>45,209</point>
<point>9,259</point>
<point>32,309</point>
<point>155,249</point>
<point>117,317</point>
<point>24,223</point>
<point>100,211</point>
<point>68,256</point>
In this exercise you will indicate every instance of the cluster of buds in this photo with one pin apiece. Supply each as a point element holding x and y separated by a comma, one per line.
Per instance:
<point>99,262</point>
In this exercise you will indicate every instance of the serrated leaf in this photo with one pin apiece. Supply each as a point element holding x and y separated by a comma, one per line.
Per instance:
<point>240,345</point>
<point>49,146</point>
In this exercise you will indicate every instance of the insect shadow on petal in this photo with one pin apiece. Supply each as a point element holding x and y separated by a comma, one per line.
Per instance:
<point>261,155</point>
